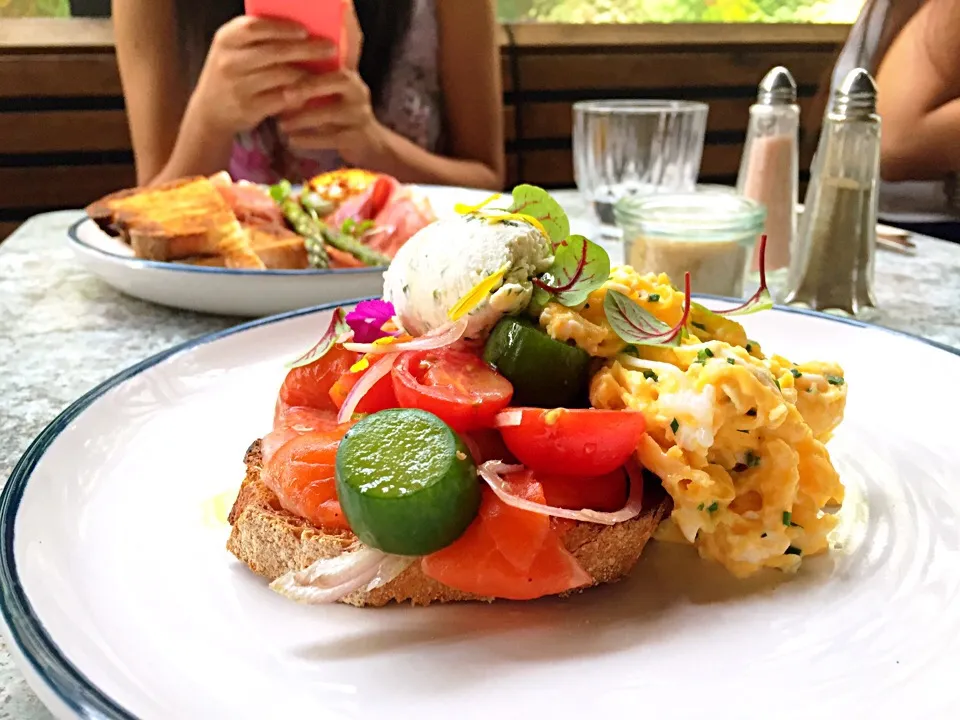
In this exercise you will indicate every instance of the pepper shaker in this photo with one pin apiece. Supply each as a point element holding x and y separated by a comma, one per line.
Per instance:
<point>769,169</point>
<point>832,269</point>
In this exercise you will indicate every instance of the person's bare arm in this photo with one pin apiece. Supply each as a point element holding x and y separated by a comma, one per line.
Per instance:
<point>469,61</point>
<point>247,75</point>
<point>153,85</point>
<point>918,98</point>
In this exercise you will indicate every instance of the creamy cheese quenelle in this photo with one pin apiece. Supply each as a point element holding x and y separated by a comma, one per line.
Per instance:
<point>447,259</point>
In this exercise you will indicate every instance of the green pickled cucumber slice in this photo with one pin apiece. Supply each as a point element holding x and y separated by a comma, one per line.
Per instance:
<point>406,482</point>
<point>544,372</point>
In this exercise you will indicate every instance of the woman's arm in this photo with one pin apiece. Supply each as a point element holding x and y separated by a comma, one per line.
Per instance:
<point>918,98</point>
<point>247,77</point>
<point>153,85</point>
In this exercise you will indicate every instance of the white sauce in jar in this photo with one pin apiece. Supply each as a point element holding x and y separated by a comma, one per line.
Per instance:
<point>716,266</point>
<point>710,234</point>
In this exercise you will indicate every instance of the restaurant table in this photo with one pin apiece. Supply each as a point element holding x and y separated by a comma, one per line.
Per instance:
<point>64,331</point>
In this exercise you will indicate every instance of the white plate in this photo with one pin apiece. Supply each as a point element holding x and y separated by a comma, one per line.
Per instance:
<point>120,600</point>
<point>243,293</point>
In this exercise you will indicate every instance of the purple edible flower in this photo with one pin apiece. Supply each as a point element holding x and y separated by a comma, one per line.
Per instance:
<point>368,318</point>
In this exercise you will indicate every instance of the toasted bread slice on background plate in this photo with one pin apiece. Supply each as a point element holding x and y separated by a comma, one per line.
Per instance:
<point>176,220</point>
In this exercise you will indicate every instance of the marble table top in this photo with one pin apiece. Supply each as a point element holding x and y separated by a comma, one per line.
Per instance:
<point>65,331</point>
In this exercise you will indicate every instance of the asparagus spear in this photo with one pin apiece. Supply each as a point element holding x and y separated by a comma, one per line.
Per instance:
<point>302,214</point>
<point>303,224</point>
<point>349,244</point>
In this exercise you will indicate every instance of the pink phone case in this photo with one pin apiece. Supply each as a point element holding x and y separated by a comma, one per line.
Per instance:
<point>321,18</point>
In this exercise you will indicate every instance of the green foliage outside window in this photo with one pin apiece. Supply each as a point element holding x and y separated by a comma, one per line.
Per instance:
<point>34,8</point>
<point>654,11</point>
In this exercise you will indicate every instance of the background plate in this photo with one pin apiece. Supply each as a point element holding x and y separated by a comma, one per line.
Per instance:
<point>118,593</point>
<point>243,293</point>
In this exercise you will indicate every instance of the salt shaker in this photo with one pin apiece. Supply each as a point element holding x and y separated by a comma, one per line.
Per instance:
<point>832,269</point>
<point>769,169</point>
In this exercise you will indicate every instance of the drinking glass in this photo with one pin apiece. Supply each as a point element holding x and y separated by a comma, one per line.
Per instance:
<point>635,147</point>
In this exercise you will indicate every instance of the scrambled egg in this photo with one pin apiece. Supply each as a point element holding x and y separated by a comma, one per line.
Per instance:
<point>737,438</point>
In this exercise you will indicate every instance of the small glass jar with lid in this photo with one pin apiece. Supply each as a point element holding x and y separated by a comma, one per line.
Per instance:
<point>709,233</point>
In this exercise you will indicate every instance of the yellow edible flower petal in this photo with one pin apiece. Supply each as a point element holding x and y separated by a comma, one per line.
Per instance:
<point>521,217</point>
<point>361,365</point>
<point>468,209</point>
<point>477,294</point>
<point>385,340</point>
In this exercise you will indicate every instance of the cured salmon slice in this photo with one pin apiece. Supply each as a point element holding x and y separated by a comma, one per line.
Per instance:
<point>293,422</point>
<point>508,553</point>
<point>302,475</point>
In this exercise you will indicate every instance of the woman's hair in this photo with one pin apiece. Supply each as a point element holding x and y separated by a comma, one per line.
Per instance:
<point>384,24</point>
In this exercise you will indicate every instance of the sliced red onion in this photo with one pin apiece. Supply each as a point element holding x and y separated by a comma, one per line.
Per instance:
<point>508,418</point>
<point>492,471</point>
<point>330,579</point>
<point>434,340</point>
<point>380,369</point>
<point>473,447</point>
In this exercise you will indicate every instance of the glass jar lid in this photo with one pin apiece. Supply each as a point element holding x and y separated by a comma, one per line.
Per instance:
<point>705,212</point>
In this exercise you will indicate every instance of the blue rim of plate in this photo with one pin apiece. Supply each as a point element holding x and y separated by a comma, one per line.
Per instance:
<point>58,674</point>
<point>139,263</point>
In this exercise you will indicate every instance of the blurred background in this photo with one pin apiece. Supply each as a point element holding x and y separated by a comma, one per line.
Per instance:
<point>565,11</point>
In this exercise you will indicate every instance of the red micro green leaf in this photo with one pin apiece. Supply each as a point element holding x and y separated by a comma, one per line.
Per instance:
<point>635,325</point>
<point>537,203</point>
<point>579,267</point>
<point>761,299</point>
<point>338,327</point>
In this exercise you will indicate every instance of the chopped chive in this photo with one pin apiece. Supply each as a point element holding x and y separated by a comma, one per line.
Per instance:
<point>714,507</point>
<point>796,373</point>
<point>674,426</point>
<point>700,506</point>
<point>778,383</point>
<point>749,347</point>
<point>835,380</point>
<point>751,459</point>
<point>650,375</point>
<point>653,297</point>
<point>436,294</point>
<point>786,518</point>
<point>793,551</point>
<point>704,354</point>
<point>699,326</point>
<point>731,361</point>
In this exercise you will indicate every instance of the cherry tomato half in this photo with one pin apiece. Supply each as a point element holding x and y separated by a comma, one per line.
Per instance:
<point>456,386</point>
<point>309,386</point>
<point>572,442</point>
<point>606,493</point>
<point>379,397</point>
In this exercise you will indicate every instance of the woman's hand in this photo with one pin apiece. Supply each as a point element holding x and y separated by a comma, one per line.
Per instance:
<point>344,121</point>
<point>250,70</point>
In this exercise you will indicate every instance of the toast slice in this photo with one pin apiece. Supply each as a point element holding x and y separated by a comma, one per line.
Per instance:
<point>278,249</point>
<point>176,220</point>
<point>272,542</point>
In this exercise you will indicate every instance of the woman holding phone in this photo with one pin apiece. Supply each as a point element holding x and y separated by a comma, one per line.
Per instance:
<point>208,88</point>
